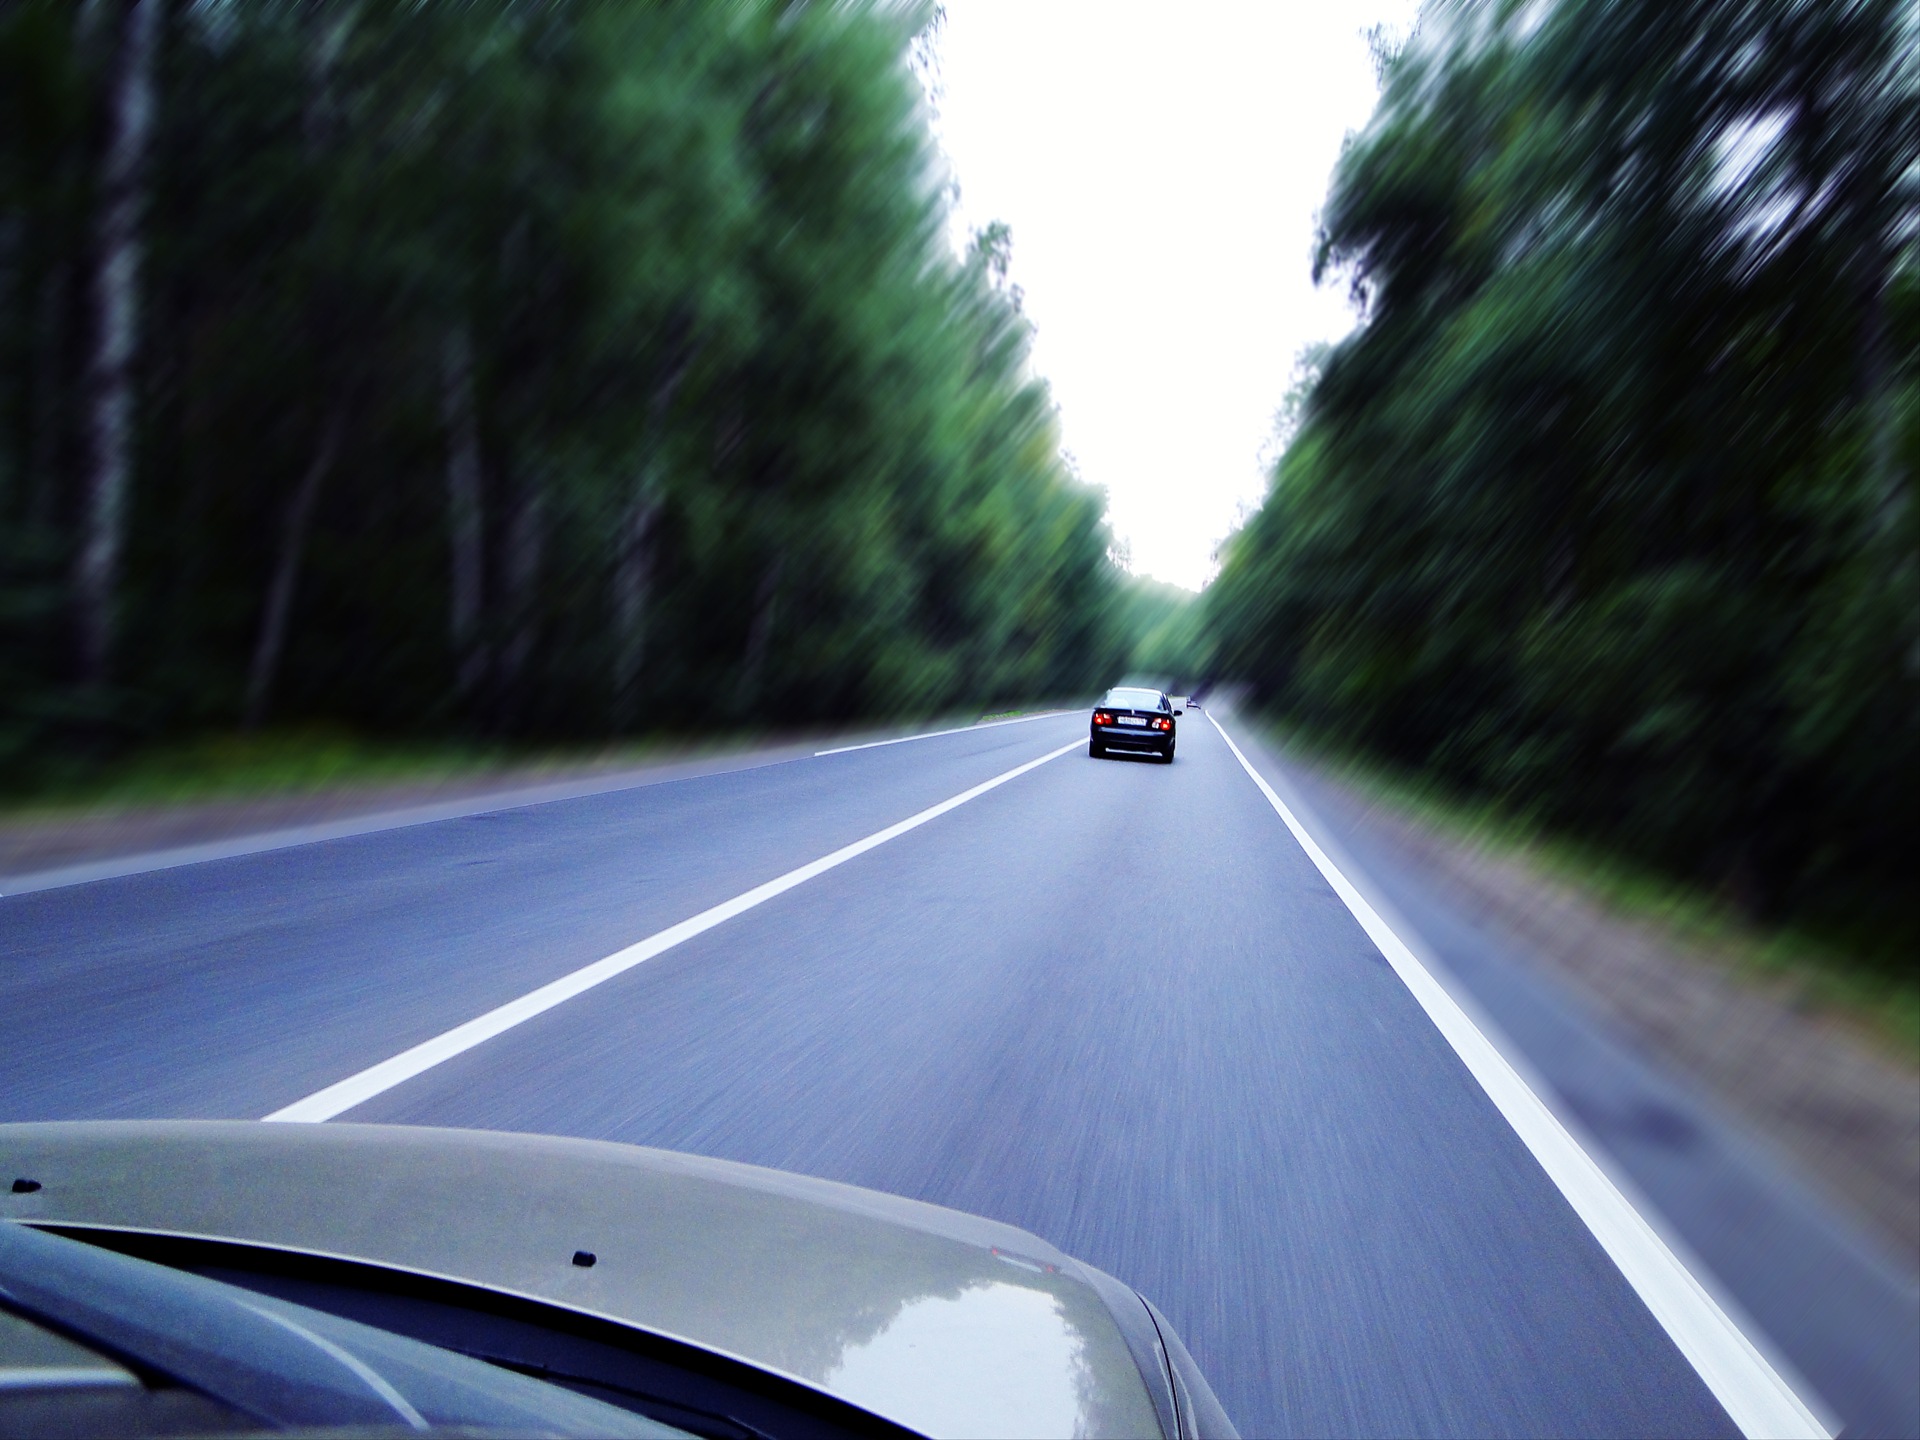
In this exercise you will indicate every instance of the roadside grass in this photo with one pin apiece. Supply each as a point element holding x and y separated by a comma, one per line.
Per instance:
<point>1864,981</point>
<point>1018,714</point>
<point>295,761</point>
<point>309,760</point>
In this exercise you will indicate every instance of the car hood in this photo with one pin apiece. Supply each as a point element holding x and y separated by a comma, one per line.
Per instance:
<point>944,1322</point>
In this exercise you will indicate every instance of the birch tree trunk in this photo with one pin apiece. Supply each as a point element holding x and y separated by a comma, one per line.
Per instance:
<point>466,527</point>
<point>116,305</point>
<point>526,539</point>
<point>52,351</point>
<point>326,35</point>
<point>632,578</point>
<point>766,598</point>
<point>632,591</point>
<point>14,300</point>
<point>634,553</point>
<point>286,573</point>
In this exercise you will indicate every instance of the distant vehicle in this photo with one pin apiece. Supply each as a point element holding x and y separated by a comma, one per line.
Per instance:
<point>198,1277</point>
<point>1132,720</point>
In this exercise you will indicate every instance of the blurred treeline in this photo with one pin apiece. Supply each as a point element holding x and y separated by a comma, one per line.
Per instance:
<point>1165,626</point>
<point>529,367</point>
<point>1607,508</point>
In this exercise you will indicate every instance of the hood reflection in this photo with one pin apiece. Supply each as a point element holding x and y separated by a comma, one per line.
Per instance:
<point>993,1360</point>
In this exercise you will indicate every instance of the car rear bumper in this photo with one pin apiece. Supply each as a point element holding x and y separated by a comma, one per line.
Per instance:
<point>1116,738</point>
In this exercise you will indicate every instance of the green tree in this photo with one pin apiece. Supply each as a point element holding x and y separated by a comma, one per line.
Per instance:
<point>552,368</point>
<point>1606,507</point>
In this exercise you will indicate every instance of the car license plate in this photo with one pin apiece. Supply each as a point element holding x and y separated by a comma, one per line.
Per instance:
<point>1131,720</point>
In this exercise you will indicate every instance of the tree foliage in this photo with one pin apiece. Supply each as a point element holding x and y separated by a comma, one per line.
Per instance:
<point>531,366</point>
<point>1607,506</point>
<point>1166,625</point>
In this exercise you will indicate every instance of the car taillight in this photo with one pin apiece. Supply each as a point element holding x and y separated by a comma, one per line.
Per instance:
<point>1163,724</point>
<point>1100,719</point>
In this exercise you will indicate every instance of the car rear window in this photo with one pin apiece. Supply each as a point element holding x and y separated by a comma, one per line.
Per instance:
<point>1133,699</point>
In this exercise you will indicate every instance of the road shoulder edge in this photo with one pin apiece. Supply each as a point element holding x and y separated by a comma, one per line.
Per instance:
<point>397,817</point>
<point>1759,1390</point>
<point>402,815</point>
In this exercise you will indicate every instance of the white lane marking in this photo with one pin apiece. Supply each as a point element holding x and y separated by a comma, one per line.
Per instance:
<point>936,734</point>
<point>1746,1385</point>
<point>343,1095</point>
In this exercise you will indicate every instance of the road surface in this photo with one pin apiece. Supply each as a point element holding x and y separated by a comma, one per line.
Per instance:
<point>1114,1002</point>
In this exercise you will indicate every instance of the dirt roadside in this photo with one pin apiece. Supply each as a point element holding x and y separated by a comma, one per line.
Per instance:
<point>36,842</point>
<point>1803,1078</point>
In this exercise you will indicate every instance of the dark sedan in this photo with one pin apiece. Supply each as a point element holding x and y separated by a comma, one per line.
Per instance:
<point>1130,719</point>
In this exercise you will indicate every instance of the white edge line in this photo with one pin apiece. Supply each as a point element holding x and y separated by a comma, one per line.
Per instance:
<point>936,734</point>
<point>1752,1392</point>
<point>343,1095</point>
<point>1544,1089</point>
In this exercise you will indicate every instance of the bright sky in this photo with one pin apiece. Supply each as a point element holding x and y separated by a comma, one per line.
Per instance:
<point>1161,167</point>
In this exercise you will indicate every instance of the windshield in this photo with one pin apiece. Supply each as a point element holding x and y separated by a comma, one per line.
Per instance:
<point>246,1356</point>
<point>1135,699</point>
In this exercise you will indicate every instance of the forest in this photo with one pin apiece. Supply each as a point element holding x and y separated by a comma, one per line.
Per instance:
<point>552,370</point>
<point>1605,510</point>
<point>539,369</point>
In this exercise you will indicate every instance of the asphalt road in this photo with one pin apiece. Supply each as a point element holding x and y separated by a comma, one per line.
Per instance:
<point>1110,1001</point>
